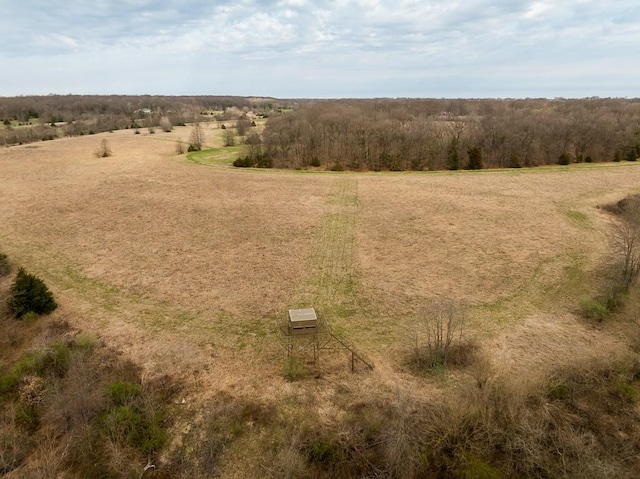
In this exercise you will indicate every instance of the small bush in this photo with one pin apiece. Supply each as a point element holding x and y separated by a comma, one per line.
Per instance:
<point>8,384</point>
<point>243,162</point>
<point>165,124</point>
<point>264,162</point>
<point>315,162</point>
<point>325,452</point>
<point>180,148</point>
<point>57,358</point>
<point>85,341</point>
<point>337,166</point>
<point>592,308</point>
<point>564,159</point>
<point>5,267</point>
<point>27,418</point>
<point>124,393</point>
<point>627,392</point>
<point>438,337</point>
<point>104,151</point>
<point>29,293</point>
<point>130,426</point>
<point>294,369</point>
<point>559,392</point>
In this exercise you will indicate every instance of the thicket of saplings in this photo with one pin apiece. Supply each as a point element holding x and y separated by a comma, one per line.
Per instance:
<point>71,407</point>
<point>453,134</point>
<point>620,272</point>
<point>27,119</point>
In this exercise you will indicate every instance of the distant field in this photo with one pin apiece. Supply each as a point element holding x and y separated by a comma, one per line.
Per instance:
<point>183,265</point>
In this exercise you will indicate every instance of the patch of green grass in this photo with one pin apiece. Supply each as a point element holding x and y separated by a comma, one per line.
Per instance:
<point>559,392</point>
<point>122,393</point>
<point>578,217</point>
<point>215,156</point>
<point>627,392</point>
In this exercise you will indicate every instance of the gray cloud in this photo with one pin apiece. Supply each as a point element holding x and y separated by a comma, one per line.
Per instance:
<point>341,47</point>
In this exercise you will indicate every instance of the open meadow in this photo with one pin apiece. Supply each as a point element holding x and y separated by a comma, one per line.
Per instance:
<point>185,266</point>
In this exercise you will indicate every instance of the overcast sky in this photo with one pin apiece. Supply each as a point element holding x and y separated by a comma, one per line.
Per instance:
<point>322,49</point>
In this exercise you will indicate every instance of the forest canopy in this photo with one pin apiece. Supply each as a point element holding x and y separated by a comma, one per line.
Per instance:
<point>431,134</point>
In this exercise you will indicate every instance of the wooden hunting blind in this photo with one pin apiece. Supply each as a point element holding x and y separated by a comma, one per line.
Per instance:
<point>303,322</point>
<point>303,332</point>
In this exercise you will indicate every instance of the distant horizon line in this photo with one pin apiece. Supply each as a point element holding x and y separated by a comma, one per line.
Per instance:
<point>270,97</point>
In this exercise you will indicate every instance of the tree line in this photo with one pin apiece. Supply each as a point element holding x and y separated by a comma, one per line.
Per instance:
<point>26,119</point>
<point>433,134</point>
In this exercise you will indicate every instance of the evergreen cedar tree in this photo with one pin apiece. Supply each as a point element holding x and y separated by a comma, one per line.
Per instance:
<point>28,293</point>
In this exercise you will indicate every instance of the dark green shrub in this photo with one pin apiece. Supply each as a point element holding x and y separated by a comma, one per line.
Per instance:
<point>453,157</point>
<point>514,162</point>
<point>193,147</point>
<point>618,156</point>
<point>315,161</point>
<point>29,293</point>
<point>588,159</point>
<point>5,267</point>
<point>337,166</point>
<point>564,159</point>
<point>243,162</point>
<point>475,158</point>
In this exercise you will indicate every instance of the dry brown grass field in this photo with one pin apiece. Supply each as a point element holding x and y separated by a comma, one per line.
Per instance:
<point>186,268</point>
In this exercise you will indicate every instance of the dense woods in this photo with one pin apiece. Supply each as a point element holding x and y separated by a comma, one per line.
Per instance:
<point>451,134</point>
<point>27,119</point>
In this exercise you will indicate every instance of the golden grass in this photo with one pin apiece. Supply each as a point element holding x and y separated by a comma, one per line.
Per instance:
<point>186,267</point>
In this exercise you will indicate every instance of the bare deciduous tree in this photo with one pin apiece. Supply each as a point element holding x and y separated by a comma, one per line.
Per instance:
<point>196,140</point>
<point>165,124</point>
<point>229,137</point>
<point>439,329</point>
<point>625,243</point>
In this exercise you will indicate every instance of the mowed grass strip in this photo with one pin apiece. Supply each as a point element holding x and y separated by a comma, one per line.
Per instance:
<point>331,284</point>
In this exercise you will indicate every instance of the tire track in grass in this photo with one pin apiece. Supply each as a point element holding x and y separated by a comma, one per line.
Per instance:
<point>331,282</point>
